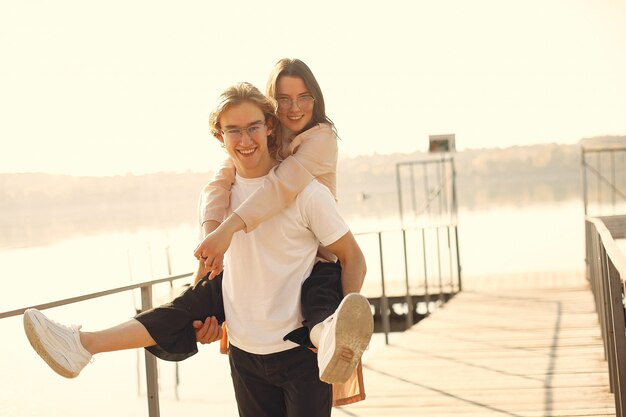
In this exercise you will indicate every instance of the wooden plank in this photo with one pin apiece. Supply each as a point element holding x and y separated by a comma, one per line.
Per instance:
<point>520,352</point>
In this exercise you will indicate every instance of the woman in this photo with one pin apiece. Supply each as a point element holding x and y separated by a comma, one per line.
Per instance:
<point>309,151</point>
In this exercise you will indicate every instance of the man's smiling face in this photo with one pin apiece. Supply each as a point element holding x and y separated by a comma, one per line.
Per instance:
<point>244,135</point>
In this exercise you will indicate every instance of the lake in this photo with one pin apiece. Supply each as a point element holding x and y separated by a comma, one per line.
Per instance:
<point>505,241</point>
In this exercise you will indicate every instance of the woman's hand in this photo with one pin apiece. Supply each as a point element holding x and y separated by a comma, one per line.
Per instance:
<point>211,250</point>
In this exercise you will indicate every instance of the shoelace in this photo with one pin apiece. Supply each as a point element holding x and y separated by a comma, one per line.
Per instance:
<point>73,328</point>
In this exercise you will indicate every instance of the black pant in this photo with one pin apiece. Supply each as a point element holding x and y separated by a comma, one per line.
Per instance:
<point>171,325</point>
<point>283,384</point>
<point>320,297</point>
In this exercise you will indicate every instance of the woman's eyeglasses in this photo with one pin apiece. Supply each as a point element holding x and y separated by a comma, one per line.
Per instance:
<point>304,103</point>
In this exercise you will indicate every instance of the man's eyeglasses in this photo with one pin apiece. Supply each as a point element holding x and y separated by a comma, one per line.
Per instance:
<point>236,133</point>
<point>304,103</point>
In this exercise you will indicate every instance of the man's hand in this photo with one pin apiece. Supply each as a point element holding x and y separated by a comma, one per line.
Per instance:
<point>207,332</point>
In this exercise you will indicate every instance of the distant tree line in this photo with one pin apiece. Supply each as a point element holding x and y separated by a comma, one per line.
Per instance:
<point>519,175</point>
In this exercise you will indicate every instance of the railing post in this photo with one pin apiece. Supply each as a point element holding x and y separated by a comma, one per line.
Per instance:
<point>384,303</point>
<point>455,210</point>
<point>426,293</point>
<point>413,197</point>
<point>605,286</point>
<point>616,308</point>
<point>458,257</point>
<point>152,382</point>
<point>169,272</point>
<point>442,298</point>
<point>452,286</point>
<point>426,188</point>
<point>408,298</point>
<point>584,171</point>
<point>599,177</point>
<point>399,185</point>
<point>613,188</point>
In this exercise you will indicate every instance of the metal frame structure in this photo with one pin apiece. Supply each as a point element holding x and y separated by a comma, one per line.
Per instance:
<point>438,177</point>
<point>603,176</point>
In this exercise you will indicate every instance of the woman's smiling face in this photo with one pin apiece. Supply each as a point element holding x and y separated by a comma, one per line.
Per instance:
<point>293,88</point>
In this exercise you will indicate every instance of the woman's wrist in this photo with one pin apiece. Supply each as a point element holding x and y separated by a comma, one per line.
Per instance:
<point>209,226</point>
<point>232,224</point>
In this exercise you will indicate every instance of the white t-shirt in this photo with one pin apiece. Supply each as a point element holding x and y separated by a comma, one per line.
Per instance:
<point>264,269</point>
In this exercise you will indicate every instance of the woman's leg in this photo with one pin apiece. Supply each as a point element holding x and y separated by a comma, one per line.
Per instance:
<point>129,335</point>
<point>321,295</point>
<point>166,331</point>
<point>340,327</point>
<point>171,325</point>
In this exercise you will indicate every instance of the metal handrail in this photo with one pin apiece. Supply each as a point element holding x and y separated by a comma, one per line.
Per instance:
<point>98,294</point>
<point>152,383</point>
<point>606,271</point>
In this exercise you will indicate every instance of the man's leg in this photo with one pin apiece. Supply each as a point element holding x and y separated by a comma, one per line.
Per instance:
<point>305,394</point>
<point>256,396</point>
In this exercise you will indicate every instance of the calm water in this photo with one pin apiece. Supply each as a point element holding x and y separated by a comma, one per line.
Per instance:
<point>495,241</point>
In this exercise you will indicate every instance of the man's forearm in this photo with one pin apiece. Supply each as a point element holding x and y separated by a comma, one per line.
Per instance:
<point>353,267</point>
<point>352,275</point>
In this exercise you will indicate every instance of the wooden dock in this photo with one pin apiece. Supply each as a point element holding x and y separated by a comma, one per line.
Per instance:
<point>524,346</point>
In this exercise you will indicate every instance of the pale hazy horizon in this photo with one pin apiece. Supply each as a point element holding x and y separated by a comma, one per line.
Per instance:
<point>126,87</point>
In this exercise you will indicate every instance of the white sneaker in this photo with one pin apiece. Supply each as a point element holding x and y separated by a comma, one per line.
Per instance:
<point>57,344</point>
<point>344,337</point>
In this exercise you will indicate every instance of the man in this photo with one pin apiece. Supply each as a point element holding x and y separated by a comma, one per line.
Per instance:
<point>265,270</point>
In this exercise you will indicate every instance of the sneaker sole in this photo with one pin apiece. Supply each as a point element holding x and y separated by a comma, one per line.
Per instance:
<point>353,332</point>
<point>31,327</point>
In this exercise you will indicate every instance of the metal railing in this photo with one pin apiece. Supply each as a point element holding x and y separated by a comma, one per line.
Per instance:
<point>606,271</point>
<point>435,243</point>
<point>152,383</point>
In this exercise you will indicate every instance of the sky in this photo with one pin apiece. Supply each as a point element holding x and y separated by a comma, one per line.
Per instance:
<point>119,87</point>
